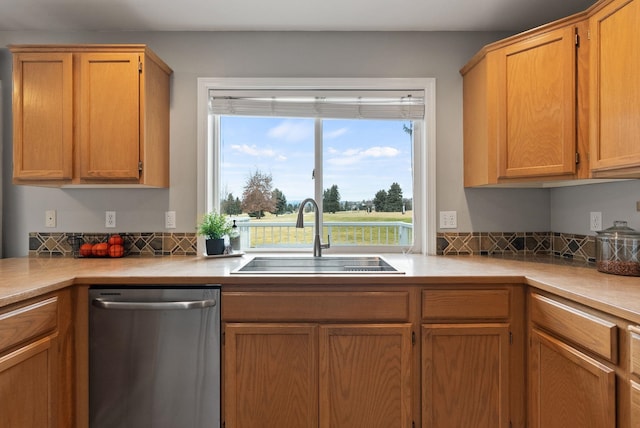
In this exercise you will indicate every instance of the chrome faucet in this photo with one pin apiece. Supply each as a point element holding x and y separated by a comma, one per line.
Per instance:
<point>317,243</point>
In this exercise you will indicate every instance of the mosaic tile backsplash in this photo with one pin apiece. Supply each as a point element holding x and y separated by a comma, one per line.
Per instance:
<point>577,247</point>
<point>138,244</point>
<point>566,245</point>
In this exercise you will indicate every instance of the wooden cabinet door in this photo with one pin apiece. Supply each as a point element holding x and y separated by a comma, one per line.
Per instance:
<point>635,404</point>
<point>537,106</point>
<point>365,376</point>
<point>42,116</point>
<point>28,382</point>
<point>270,375</point>
<point>568,388</point>
<point>109,115</point>
<point>615,88</point>
<point>465,375</point>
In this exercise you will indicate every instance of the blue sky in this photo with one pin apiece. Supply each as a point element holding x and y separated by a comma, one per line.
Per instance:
<point>360,156</point>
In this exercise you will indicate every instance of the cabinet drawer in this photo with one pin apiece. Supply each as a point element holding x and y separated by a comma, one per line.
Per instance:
<point>584,329</point>
<point>26,322</point>
<point>634,351</point>
<point>465,304</point>
<point>315,306</point>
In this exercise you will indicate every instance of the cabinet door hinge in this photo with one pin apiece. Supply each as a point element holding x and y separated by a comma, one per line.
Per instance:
<point>140,166</point>
<point>510,338</point>
<point>413,338</point>
<point>577,158</point>
<point>140,66</point>
<point>577,38</point>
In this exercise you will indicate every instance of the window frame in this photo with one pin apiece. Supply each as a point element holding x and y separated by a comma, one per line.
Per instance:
<point>424,196</point>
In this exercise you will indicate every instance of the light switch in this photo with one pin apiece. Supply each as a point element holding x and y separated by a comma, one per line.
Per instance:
<point>448,219</point>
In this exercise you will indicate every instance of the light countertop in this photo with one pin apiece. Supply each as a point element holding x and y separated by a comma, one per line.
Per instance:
<point>23,278</point>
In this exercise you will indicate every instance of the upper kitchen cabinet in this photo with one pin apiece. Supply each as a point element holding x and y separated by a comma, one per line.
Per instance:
<point>615,90</point>
<point>521,107</point>
<point>90,114</point>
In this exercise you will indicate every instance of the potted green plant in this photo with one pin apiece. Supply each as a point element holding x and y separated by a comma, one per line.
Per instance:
<point>214,227</point>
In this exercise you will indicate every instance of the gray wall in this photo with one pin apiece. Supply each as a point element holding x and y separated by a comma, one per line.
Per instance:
<point>273,54</point>
<point>570,206</point>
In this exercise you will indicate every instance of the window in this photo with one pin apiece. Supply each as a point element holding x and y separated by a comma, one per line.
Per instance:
<point>358,147</point>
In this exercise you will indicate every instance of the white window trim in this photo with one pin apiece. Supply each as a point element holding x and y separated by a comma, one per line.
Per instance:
<point>424,163</point>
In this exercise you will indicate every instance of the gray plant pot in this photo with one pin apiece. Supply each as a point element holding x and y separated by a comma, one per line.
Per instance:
<point>214,246</point>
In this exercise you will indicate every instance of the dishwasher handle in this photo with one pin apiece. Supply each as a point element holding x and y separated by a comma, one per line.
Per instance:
<point>153,306</point>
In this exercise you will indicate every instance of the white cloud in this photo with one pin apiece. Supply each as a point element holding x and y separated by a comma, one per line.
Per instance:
<point>335,134</point>
<point>353,156</point>
<point>255,151</point>
<point>381,152</point>
<point>292,131</point>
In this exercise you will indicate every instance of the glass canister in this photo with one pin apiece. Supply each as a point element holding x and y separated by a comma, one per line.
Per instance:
<point>617,250</point>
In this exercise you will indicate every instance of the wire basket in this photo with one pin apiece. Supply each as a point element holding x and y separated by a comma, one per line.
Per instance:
<point>100,245</point>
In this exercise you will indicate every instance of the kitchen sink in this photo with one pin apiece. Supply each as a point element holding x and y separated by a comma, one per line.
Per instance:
<point>319,265</point>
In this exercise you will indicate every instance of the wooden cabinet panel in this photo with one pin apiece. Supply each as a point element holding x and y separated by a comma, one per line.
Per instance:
<point>536,106</point>
<point>28,385</point>
<point>109,116</point>
<point>365,376</point>
<point>28,322</point>
<point>43,116</point>
<point>38,363</point>
<point>589,331</point>
<point>312,306</point>
<point>270,376</point>
<point>522,109</point>
<point>634,350</point>
<point>635,404</point>
<point>568,388</point>
<point>465,375</point>
<point>466,304</point>
<point>90,114</point>
<point>479,112</point>
<point>615,90</point>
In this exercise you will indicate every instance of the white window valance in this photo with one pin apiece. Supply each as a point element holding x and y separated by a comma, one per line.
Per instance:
<point>333,104</point>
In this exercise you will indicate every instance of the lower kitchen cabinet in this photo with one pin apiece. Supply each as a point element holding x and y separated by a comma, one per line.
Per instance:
<point>365,376</point>
<point>318,359</point>
<point>572,366</point>
<point>465,375</point>
<point>309,375</point>
<point>472,357</point>
<point>635,404</point>
<point>634,372</point>
<point>271,375</point>
<point>567,387</point>
<point>27,385</point>
<point>35,364</point>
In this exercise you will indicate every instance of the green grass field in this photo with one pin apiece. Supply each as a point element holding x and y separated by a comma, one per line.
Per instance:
<point>341,216</point>
<point>340,235</point>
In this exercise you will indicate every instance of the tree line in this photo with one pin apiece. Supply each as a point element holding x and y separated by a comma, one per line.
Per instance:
<point>259,197</point>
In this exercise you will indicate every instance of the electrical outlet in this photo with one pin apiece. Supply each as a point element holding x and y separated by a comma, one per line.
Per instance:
<point>50,218</point>
<point>110,219</point>
<point>448,219</point>
<point>170,220</point>
<point>595,221</point>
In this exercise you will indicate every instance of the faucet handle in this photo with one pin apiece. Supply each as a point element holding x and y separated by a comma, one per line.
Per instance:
<point>328,244</point>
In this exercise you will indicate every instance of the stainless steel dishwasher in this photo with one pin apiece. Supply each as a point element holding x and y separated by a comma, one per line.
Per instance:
<point>154,357</point>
